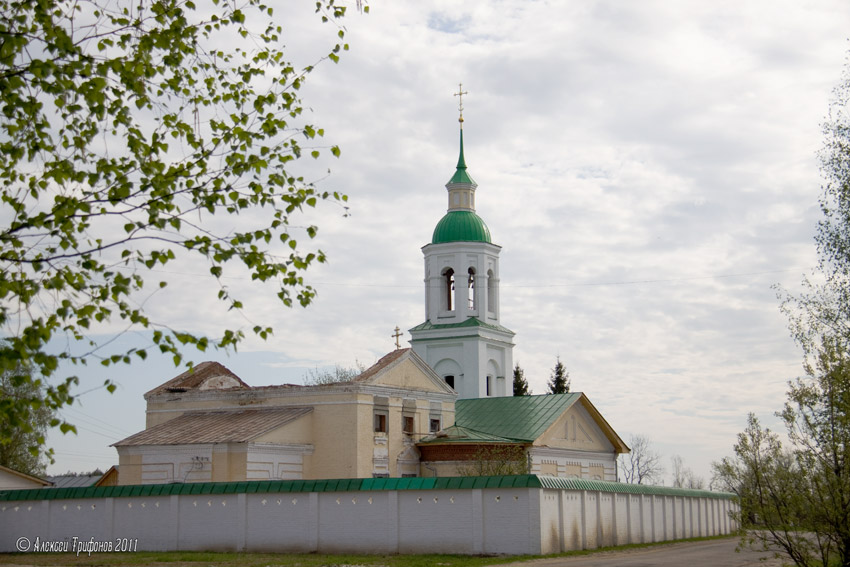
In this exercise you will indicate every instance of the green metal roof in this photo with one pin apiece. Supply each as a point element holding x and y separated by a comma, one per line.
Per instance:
<point>350,485</point>
<point>461,226</point>
<point>471,322</point>
<point>457,434</point>
<point>461,176</point>
<point>523,418</point>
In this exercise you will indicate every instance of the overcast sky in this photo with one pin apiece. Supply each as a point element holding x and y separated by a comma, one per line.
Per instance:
<point>649,169</point>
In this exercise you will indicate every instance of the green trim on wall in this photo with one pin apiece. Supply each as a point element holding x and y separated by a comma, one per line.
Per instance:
<point>351,485</point>
<point>468,323</point>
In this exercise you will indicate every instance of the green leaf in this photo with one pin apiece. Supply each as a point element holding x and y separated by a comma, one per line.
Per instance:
<point>162,123</point>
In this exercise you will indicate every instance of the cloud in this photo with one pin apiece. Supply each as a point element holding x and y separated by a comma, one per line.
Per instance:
<point>649,170</point>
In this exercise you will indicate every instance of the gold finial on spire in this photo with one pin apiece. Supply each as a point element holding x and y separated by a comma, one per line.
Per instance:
<point>460,92</point>
<point>397,336</point>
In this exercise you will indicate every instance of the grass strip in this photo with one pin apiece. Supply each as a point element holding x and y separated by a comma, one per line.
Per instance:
<point>229,559</point>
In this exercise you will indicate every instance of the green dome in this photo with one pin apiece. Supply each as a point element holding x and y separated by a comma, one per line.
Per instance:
<point>461,226</point>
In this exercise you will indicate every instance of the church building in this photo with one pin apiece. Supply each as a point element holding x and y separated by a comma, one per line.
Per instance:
<point>428,410</point>
<point>462,338</point>
<point>207,425</point>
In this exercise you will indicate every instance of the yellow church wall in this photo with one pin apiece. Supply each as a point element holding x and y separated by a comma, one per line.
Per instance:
<point>422,421</point>
<point>307,467</point>
<point>441,468</point>
<point>395,435</point>
<point>394,438</point>
<point>572,470</point>
<point>129,469</point>
<point>409,376</point>
<point>228,465</point>
<point>575,429</point>
<point>238,465</point>
<point>220,468</point>
<point>337,433</point>
<point>346,444</point>
<point>160,410</point>
<point>299,431</point>
<point>340,428</point>
<point>153,417</point>
<point>340,425</point>
<point>163,409</point>
<point>596,472</point>
<point>448,413</point>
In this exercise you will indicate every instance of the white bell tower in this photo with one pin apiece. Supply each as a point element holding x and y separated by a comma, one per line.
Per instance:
<point>462,338</point>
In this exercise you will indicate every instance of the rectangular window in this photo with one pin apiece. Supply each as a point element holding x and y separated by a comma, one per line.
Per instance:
<point>380,475</point>
<point>381,409</point>
<point>407,424</point>
<point>450,380</point>
<point>380,422</point>
<point>435,417</point>
<point>488,385</point>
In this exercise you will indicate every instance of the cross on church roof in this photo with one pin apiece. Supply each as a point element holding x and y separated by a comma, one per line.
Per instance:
<point>397,335</point>
<point>460,92</point>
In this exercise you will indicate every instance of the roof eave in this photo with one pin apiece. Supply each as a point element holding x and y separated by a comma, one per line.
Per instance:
<point>612,436</point>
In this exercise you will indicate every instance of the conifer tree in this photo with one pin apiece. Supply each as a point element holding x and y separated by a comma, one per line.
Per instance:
<point>520,383</point>
<point>559,383</point>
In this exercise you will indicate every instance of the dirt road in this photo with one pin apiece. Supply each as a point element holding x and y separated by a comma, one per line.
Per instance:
<point>714,553</point>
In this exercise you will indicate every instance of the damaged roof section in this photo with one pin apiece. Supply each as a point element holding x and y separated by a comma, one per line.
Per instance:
<point>205,376</point>
<point>238,426</point>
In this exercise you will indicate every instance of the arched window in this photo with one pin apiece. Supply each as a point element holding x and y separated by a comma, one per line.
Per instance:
<point>491,292</point>
<point>470,289</point>
<point>449,289</point>
<point>494,386</point>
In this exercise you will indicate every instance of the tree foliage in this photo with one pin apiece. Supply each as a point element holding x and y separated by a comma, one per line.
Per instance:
<point>128,129</point>
<point>823,309</point>
<point>520,383</point>
<point>642,465</point>
<point>338,373</point>
<point>796,497</point>
<point>559,381</point>
<point>24,413</point>
<point>496,460</point>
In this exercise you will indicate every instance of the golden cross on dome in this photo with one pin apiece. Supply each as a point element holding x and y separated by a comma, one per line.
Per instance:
<point>397,335</point>
<point>460,92</point>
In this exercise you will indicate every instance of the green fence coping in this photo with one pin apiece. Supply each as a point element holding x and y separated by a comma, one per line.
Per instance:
<point>606,486</point>
<point>353,485</point>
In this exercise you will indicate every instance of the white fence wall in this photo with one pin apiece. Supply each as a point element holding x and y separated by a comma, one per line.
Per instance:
<point>599,519</point>
<point>467,521</point>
